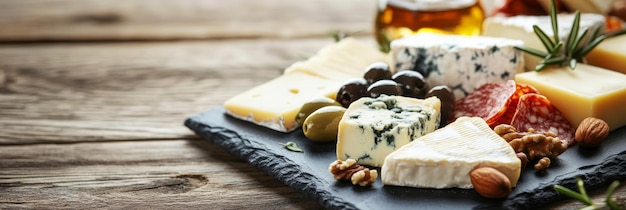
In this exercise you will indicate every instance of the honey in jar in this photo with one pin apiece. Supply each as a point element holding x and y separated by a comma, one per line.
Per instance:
<point>398,18</point>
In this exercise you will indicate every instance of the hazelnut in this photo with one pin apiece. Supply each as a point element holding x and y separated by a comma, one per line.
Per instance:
<point>490,182</point>
<point>591,132</point>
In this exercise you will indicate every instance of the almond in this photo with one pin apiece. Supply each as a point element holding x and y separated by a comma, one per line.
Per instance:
<point>490,182</point>
<point>591,132</point>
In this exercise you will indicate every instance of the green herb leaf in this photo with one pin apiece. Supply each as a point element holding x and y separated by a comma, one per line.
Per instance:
<point>573,33</point>
<point>609,193</point>
<point>292,146</point>
<point>568,192</point>
<point>589,47</point>
<point>532,51</point>
<point>584,198</point>
<point>557,49</point>
<point>553,18</point>
<point>385,45</point>
<point>554,60</point>
<point>583,192</point>
<point>596,33</point>
<point>540,66</point>
<point>338,35</point>
<point>573,49</point>
<point>544,38</point>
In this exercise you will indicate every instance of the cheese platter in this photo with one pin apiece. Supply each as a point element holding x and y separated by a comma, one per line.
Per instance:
<point>447,121</point>
<point>307,172</point>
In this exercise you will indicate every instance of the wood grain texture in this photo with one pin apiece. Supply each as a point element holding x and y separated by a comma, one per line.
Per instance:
<point>172,174</point>
<point>129,91</point>
<point>99,124</point>
<point>41,20</point>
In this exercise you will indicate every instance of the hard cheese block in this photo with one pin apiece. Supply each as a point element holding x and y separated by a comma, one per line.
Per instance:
<point>275,104</point>
<point>610,54</point>
<point>370,128</point>
<point>521,28</point>
<point>587,91</point>
<point>445,157</point>
<point>462,63</point>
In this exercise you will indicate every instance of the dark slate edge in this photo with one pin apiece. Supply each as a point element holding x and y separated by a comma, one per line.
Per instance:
<point>276,165</point>
<point>601,175</point>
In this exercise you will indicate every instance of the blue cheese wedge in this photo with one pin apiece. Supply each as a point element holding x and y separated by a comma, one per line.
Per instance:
<point>370,129</point>
<point>463,63</point>
<point>445,157</point>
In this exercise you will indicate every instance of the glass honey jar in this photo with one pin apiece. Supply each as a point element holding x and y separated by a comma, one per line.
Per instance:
<point>398,18</point>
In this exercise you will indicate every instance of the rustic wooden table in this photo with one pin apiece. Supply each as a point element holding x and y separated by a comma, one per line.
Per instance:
<point>93,95</point>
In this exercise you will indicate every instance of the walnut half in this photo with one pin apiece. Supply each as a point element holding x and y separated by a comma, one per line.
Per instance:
<point>537,146</point>
<point>350,170</point>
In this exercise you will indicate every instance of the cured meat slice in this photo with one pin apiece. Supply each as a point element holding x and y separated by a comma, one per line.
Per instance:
<point>535,111</point>
<point>489,102</point>
<point>507,117</point>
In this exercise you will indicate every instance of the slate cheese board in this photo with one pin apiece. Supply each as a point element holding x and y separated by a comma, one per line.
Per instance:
<point>308,172</point>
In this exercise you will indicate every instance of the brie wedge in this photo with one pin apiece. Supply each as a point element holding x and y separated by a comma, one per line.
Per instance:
<point>445,157</point>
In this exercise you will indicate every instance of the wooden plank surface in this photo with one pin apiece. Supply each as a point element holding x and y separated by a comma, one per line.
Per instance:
<point>44,20</point>
<point>129,91</point>
<point>170,174</point>
<point>99,124</point>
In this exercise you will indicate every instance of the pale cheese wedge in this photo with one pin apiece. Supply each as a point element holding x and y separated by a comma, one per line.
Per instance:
<point>445,157</point>
<point>275,104</point>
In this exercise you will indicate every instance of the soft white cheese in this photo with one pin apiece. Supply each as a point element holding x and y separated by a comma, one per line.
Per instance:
<point>445,157</point>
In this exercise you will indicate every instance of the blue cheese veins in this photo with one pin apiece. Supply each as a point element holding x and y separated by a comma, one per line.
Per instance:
<point>463,63</point>
<point>370,129</point>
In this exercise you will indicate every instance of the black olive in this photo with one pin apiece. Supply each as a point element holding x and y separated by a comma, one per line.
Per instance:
<point>444,93</point>
<point>412,83</point>
<point>377,71</point>
<point>351,91</point>
<point>387,87</point>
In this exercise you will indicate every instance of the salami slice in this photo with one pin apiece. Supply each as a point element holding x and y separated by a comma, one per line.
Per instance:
<point>489,102</point>
<point>507,117</point>
<point>535,111</point>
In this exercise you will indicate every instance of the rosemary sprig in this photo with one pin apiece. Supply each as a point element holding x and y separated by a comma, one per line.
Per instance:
<point>559,52</point>
<point>582,196</point>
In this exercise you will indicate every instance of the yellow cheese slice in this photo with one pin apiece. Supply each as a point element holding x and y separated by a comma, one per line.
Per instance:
<point>610,54</point>
<point>275,104</point>
<point>587,91</point>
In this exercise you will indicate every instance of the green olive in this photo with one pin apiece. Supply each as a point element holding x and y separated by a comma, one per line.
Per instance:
<point>322,124</point>
<point>312,105</point>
